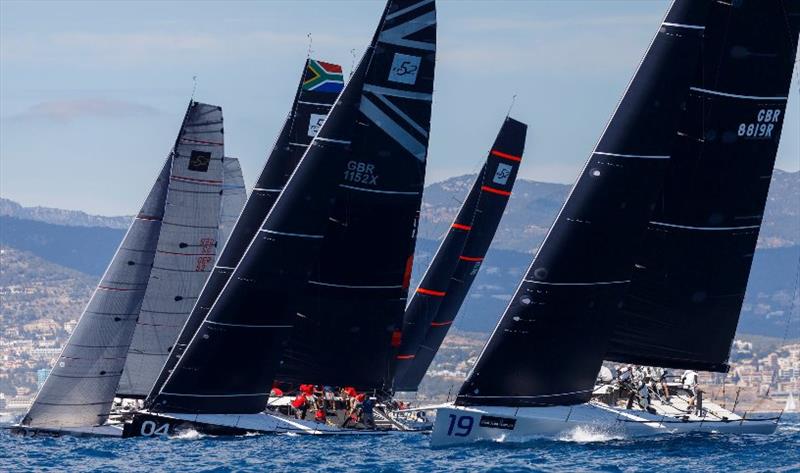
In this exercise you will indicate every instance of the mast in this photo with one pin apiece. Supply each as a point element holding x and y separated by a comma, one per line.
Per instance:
<point>320,85</point>
<point>187,246</point>
<point>445,285</point>
<point>347,328</point>
<point>549,343</point>
<point>689,281</point>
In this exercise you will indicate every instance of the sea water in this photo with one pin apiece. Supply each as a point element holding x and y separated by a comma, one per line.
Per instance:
<point>584,451</point>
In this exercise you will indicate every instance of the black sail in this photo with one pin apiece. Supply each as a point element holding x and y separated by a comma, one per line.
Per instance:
<point>689,281</point>
<point>550,342</point>
<point>319,87</point>
<point>347,328</point>
<point>445,285</point>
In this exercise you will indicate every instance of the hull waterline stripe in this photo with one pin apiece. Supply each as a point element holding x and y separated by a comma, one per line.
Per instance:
<point>735,96</point>
<point>495,191</point>
<point>459,226</point>
<point>638,156</point>
<point>708,229</point>
<point>503,155</point>
<point>300,235</point>
<point>429,292</point>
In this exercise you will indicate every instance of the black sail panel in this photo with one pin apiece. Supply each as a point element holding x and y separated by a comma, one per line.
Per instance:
<point>683,305</point>
<point>348,325</point>
<point>230,362</point>
<point>319,87</point>
<point>435,304</point>
<point>549,343</point>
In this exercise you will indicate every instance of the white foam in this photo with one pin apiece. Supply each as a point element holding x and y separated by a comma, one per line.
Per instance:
<point>585,434</point>
<point>188,434</point>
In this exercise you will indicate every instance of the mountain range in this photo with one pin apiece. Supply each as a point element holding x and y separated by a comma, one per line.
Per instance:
<point>75,240</point>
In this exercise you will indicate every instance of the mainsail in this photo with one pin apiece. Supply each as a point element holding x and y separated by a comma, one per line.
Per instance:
<point>689,282</point>
<point>81,386</point>
<point>187,247</point>
<point>230,363</point>
<point>549,344</point>
<point>347,327</point>
<point>320,85</point>
<point>445,285</point>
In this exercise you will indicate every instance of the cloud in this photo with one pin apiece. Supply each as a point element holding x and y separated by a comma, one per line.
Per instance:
<point>68,110</point>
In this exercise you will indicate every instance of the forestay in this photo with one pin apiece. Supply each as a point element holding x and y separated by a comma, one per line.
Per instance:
<point>690,278</point>
<point>347,327</point>
<point>549,344</point>
<point>437,300</point>
<point>319,87</point>
<point>187,246</point>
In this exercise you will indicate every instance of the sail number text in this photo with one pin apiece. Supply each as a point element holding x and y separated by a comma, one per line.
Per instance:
<point>361,173</point>
<point>763,127</point>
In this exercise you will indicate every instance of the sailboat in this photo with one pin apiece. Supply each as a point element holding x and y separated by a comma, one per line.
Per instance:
<point>442,290</point>
<point>320,85</point>
<point>648,259</point>
<point>176,231</point>
<point>368,157</point>
<point>791,404</point>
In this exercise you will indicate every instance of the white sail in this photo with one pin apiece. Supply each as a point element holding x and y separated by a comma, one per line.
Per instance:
<point>80,388</point>
<point>233,199</point>
<point>791,404</point>
<point>187,247</point>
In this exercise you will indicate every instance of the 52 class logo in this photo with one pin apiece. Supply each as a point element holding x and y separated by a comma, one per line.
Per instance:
<point>404,69</point>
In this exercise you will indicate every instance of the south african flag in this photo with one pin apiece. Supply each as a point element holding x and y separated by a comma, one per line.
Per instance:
<point>323,77</point>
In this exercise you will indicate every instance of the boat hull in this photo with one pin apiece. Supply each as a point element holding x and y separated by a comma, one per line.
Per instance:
<point>584,422</point>
<point>147,424</point>
<point>114,430</point>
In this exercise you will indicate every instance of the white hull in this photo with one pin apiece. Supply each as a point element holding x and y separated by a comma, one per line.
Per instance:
<point>592,421</point>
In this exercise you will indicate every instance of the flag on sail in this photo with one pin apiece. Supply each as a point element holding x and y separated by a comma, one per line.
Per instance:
<point>323,77</point>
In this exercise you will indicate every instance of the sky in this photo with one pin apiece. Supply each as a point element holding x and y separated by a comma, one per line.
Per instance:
<point>92,93</point>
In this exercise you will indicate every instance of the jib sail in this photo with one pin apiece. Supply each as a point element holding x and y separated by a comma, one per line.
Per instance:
<point>319,87</point>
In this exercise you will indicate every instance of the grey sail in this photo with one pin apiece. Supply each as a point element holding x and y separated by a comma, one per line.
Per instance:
<point>187,247</point>
<point>233,198</point>
<point>80,388</point>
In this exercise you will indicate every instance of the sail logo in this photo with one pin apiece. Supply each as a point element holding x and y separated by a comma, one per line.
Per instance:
<point>404,69</point>
<point>502,174</point>
<point>315,123</point>
<point>199,161</point>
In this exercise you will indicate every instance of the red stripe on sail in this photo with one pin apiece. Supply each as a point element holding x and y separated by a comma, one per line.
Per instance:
<point>106,288</point>
<point>470,258</point>
<point>503,155</point>
<point>441,324</point>
<point>190,140</point>
<point>495,191</point>
<point>191,179</point>
<point>429,292</point>
<point>459,226</point>
<point>405,357</point>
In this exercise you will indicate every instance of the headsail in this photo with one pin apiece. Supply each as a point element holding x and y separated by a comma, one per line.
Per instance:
<point>81,386</point>
<point>234,197</point>
<point>683,305</point>
<point>549,344</point>
<point>347,328</point>
<point>319,87</point>
<point>187,246</point>
<point>437,300</point>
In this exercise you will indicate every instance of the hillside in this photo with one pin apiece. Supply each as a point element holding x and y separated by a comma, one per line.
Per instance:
<point>72,218</point>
